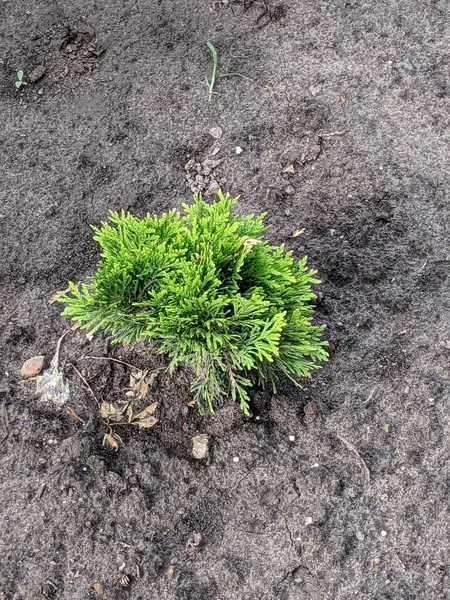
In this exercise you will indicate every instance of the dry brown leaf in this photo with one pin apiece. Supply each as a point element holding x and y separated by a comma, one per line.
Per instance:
<point>192,403</point>
<point>73,415</point>
<point>145,423</point>
<point>110,412</point>
<point>297,233</point>
<point>141,388</point>
<point>111,440</point>
<point>129,413</point>
<point>98,588</point>
<point>146,412</point>
<point>142,384</point>
<point>290,170</point>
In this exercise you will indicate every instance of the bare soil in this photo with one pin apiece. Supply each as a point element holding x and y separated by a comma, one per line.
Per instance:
<point>344,130</point>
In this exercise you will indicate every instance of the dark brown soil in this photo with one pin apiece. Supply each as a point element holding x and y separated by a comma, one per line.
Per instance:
<point>355,96</point>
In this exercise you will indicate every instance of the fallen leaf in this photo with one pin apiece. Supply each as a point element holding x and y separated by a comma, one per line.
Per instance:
<point>110,412</point>
<point>146,412</point>
<point>129,413</point>
<point>98,588</point>
<point>141,383</point>
<point>297,233</point>
<point>192,403</point>
<point>289,170</point>
<point>111,440</point>
<point>73,415</point>
<point>145,423</point>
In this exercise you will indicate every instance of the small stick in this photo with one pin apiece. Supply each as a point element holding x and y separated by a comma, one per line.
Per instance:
<point>326,135</point>
<point>122,362</point>
<point>352,448</point>
<point>85,383</point>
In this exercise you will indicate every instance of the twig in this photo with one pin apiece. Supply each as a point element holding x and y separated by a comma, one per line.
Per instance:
<point>331,134</point>
<point>122,362</point>
<point>352,448</point>
<point>85,383</point>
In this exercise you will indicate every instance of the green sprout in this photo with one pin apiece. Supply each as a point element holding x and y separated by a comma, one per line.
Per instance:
<point>210,83</point>
<point>19,81</point>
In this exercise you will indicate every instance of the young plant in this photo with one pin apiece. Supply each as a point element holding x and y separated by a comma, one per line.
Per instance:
<point>19,80</point>
<point>205,288</point>
<point>210,83</point>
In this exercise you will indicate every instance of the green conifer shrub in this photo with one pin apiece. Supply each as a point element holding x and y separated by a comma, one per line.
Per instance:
<point>205,288</point>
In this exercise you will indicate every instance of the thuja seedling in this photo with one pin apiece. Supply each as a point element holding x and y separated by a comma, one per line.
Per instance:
<point>205,288</point>
<point>210,83</point>
<point>19,80</point>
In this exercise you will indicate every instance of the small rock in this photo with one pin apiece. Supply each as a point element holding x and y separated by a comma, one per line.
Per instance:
<point>190,163</point>
<point>32,367</point>
<point>37,73</point>
<point>383,533</point>
<point>200,446</point>
<point>215,151</point>
<point>211,164</point>
<point>308,521</point>
<point>408,65</point>
<point>239,150</point>
<point>315,88</point>
<point>431,401</point>
<point>289,189</point>
<point>359,536</point>
<point>214,187</point>
<point>215,132</point>
<point>311,410</point>
<point>236,459</point>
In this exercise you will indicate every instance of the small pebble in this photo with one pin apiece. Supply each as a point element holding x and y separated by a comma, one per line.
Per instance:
<point>383,533</point>
<point>32,366</point>
<point>215,132</point>
<point>359,536</point>
<point>308,520</point>
<point>292,438</point>
<point>408,65</point>
<point>431,401</point>
<point>315,466</point>
<point>236,459</point>
<point>239,150</point>
<point>200,446</point>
